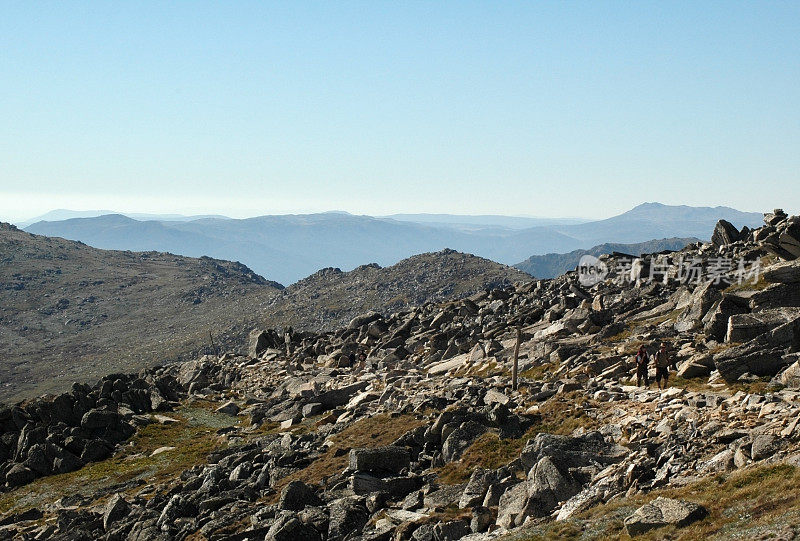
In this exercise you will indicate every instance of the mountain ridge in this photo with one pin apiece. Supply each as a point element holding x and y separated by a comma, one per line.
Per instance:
<point>286,248</point>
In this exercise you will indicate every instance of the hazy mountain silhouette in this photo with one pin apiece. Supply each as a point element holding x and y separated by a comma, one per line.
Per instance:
<point>286,248</point>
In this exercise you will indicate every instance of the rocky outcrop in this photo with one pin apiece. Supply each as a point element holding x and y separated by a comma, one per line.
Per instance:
<point>62,433</point>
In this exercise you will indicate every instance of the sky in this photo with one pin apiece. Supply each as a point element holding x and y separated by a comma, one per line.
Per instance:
<point>519,108</point>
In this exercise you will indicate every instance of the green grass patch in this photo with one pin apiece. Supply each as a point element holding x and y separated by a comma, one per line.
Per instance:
<point>541,372</point>
<point>193,438</point>
<point>371,432</point>
<point>560,415</point>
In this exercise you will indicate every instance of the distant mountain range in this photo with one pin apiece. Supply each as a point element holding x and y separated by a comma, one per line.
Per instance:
<point>471,222</point>
<point>66,214</point>
<point>552,265</point>
<point>286,248</point>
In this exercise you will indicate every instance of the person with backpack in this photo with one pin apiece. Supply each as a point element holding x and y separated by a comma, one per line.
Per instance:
<point>663,361</point>
<point>642,359</point>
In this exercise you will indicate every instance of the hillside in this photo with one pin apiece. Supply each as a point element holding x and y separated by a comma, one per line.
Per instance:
<point>287,248</point>
<point>330,298</point>
<point>409,426</point>
<point>552,265</point>
<point>72,312</point>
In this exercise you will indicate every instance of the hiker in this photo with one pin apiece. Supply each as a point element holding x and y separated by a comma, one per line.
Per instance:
<point>662,365</point>
<point>641,367</point>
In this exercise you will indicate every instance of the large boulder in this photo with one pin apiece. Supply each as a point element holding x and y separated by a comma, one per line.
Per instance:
<point>348,516</point>
<point>178,506</point>
<point>511,508</point>
<point>762,356</point>
<point>389,459</point>
<point>459,439</point>
<point>99,419</point>
<point>783,273</point>
<point>289,528</point>
<point>791,376</point>
<point>260,341</point>
<point>764,446</point>
<point>296,496</point>
<point>116,509</point>
<point>19,475</point>
<point>697,366</point>
<point>341,396</point>
<point>549,483</point>
<point>663,512</point>
<point>477,487</point>
<point>753,358</point>
<point>572,452</point>
<point>724,233</point>
<point>789,240</point>
<point>703,298</point>
<point>774,296</point>
<point>364,319</point>
<point>715,322</point>
<point>745,327</point>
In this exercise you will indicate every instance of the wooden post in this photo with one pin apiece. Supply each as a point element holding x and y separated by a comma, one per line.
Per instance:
<point>213,348</point>
<point>514,370</point>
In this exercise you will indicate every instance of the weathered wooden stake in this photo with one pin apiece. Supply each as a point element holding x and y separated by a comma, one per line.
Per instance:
<point>516,360</point>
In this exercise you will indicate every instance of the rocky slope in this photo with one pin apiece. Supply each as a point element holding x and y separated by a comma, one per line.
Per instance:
<point>69,311</point>
<point>406,426</point>
<point>72,312</point>
<point>330,298</point>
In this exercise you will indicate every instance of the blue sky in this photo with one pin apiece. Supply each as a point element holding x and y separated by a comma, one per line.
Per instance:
<point>530,108</point>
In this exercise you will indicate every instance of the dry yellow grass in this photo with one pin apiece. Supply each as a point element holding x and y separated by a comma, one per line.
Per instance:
<point>747,504</point>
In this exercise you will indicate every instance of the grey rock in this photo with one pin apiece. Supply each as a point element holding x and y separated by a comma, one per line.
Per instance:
<point>662,512</point>
<point>382,460</point>
<point>764,446</point>
<point>347,517</point>
<point>791,376</point>
<point>341,396</point>
<point>98,419</point>
<point>259,342</point>
<point>116,509</point>
<point>451,530</point>
<point>296,495</point>
<point>724,233</point>
<point>783,273</point>
<point>461,438</point>
<point>572,452</point>
<point>511,507</point>
<point>228,408</point>
<point>703,298</point>
<point>745,327</point>
<point>177,507</point>
<point>19,475</point>
<point>290,528</point>
<point>477,487</point>
<point>548,485</point>
<point>482,519</point>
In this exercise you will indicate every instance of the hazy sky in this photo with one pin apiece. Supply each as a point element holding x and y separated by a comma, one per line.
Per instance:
<point>534,108</point>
